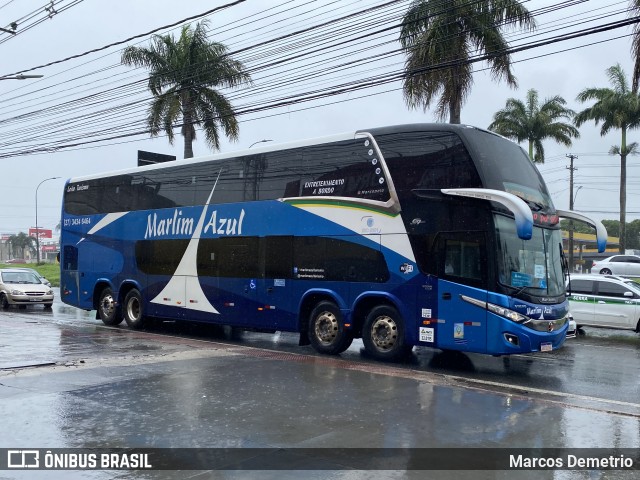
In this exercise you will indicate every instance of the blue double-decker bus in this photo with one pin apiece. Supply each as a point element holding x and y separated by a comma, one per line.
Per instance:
<point>431,235</point>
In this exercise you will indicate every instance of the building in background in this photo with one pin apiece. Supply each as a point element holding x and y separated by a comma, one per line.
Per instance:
<point>5,248</point>
<point>585,249</point>
<point>49,246</point>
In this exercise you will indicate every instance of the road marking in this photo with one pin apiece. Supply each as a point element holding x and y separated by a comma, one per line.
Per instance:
<point>26,365</point>
<point>543,391</point>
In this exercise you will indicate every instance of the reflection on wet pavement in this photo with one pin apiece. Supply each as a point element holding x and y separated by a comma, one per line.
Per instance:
<point>210,388</point>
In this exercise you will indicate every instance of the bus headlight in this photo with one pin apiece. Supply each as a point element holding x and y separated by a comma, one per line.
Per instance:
<point>506,313</point>
<point>497,309</point>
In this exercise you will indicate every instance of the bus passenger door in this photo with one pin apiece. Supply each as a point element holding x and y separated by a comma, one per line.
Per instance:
<point>69,279</point>
<point>276,285</point>
<point>462,272</point>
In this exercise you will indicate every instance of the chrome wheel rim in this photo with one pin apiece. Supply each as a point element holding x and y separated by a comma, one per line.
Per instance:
<point>326,328</point>
<point>107,306</point>
<point>384,333</point>
<point>133,309</point>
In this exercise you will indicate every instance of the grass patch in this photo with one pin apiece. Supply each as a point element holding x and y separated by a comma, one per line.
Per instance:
<point>51,271</point>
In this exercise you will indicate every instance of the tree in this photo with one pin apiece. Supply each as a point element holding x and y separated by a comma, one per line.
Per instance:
<point>440,38</point>
<point>578,227</point>
<point>634,11</point>
<point>617,108</point>
<point>631,149</point>
<point>633,235</point>
<point>632,232</point>
<point>184,78</point>
<point>613,227</point>
<point>22,242</point>
<point>534,123</point>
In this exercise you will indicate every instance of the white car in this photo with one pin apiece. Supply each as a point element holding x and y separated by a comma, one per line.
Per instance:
<point>604,301</point>
<point>572,331</point>
<point>618,265</point>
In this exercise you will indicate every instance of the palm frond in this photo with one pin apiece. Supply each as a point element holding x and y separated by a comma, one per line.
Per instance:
<point>438,36</point>
<point>184,73</point>
<point>528,121</point>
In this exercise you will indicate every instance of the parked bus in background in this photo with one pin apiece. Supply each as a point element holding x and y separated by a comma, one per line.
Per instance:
<point>431,235</point>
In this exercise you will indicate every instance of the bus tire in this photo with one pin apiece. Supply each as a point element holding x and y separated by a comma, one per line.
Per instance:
<point>108,310</point>
<point>327,333</point>
<point>383,334</point>
<point>133,313</point>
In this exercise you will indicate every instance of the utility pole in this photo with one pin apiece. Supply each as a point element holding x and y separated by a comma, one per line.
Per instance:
<point>571,168</point>
<point>38,228</point>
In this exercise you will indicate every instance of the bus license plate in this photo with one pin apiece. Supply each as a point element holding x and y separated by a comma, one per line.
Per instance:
<point>546,347</point>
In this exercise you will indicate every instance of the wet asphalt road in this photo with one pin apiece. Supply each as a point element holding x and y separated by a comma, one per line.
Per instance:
<point>68,381</point>
<point>600,364</point>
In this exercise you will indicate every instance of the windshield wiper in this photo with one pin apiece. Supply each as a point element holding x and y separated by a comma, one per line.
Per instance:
<point>519,291</point>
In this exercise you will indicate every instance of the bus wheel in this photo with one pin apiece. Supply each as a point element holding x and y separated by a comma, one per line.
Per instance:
<point>133,309</point>
<point>326,329</point>
<point>383,334</point>
<point>108,311</point>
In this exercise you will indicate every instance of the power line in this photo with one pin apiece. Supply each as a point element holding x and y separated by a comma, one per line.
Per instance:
<point>134,121</point>
<point>41,14</point>
<point>121,42</point>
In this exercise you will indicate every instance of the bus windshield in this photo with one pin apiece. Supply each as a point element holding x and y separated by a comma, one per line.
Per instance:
<point>495,159</point>
<point>532,266</point>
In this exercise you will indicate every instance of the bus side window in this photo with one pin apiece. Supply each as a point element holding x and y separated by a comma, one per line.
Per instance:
<point>278,257</point>
<point>462,256</point>
<point>237,257</point>
<point>282,175</point>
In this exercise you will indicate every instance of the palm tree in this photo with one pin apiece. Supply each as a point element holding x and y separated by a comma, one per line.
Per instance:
<point>22,242</point>
<point>184,77</point>
<point>535,123</point>
<point>617,108</point>
<point>634,11</point>
<point>440,37</point>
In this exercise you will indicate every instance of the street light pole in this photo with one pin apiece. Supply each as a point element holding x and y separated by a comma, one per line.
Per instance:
<point>37,228</point>
<point>575,195</point>
<point>259,141</point>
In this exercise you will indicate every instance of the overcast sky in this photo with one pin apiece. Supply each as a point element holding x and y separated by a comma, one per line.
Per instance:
<point>562,68</point>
